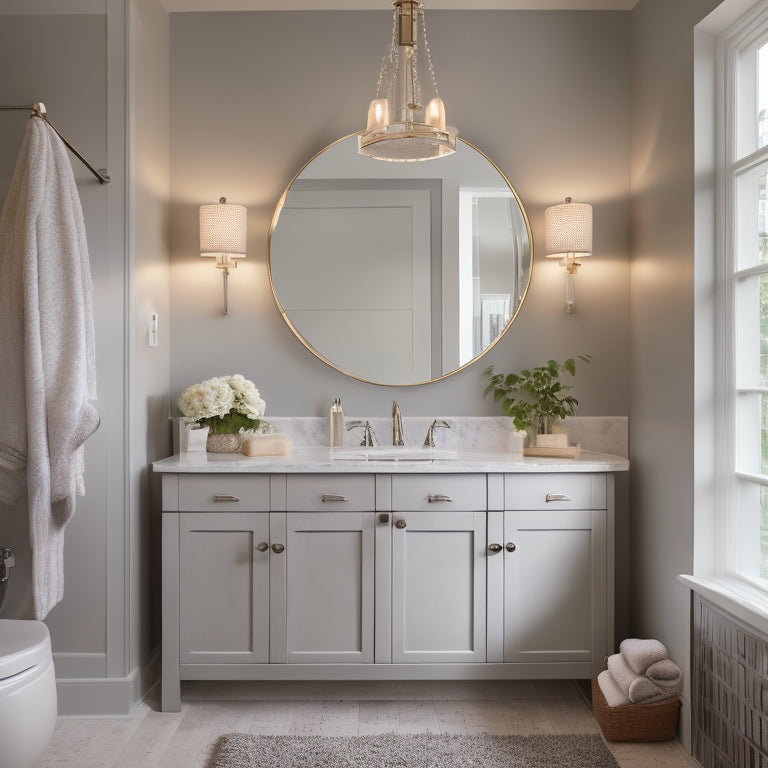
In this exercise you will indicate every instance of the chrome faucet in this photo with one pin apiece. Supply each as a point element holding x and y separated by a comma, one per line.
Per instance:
<point>397,425</point>
<point>369,436</point>
<point>429,440</point>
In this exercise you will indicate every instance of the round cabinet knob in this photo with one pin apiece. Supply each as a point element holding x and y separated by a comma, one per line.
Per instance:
<point>262,546</point>
<point>510,546</point>
<point>494,548</point>
<point>400,524</point>
<point>278,548</point>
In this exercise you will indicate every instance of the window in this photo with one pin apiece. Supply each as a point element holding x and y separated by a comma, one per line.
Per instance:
<point>742,349</point>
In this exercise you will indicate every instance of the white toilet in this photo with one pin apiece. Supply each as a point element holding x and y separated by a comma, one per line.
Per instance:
<point>27,692</point>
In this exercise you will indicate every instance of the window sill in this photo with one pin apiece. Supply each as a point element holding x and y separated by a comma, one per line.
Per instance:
<point>741,600</point>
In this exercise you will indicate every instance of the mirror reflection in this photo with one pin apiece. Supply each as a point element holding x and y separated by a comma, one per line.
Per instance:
<point>399,273</point>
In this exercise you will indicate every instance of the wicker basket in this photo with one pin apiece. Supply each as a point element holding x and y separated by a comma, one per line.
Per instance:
<point>656,721</point>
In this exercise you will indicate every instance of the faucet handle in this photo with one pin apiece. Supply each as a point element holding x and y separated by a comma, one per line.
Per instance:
<point>429,440</point>
<point>369,436</point>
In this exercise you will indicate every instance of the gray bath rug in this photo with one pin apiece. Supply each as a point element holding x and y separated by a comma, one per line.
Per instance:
<point>239,750</point>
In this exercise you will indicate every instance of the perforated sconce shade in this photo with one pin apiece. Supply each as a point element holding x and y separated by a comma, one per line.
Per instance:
<point>223,230</point>
<point>568,237</point>
<point>223,235</point>
<point>568,230</point>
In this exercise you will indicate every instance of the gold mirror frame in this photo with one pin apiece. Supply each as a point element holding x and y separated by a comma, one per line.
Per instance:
<point>330,363</point>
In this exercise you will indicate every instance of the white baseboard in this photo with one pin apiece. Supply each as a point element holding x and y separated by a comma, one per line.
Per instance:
<point>106,696</point>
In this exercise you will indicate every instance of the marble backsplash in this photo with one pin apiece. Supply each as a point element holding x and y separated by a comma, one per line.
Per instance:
<point>602,434</point>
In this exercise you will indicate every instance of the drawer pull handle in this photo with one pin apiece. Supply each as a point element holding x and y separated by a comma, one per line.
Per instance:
<point>510,546</point>
<point>494,548</point>
<point>438,497</point>
<point>262,546</point>
<point>333,497</point>
<point>400,524</point>
<point>556,497</point>
<point>384,517</point>
<point>278,548</point>
<point>224,497</point>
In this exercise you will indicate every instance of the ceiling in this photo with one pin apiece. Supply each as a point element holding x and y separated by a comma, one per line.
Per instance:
<point>378,5</point>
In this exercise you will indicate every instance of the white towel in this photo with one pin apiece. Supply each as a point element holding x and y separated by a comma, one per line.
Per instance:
<point>666,676</point>
<point>614,696</point>
<point>46,349</point>
<point>640,654</point>
<point>637,688</point>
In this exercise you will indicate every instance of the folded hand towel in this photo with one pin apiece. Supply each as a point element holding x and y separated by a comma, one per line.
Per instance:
<point>666,669</point>
<point>613,694</point>
<point>640,654</point>
<point>637,688</point>
<point>666,676</point>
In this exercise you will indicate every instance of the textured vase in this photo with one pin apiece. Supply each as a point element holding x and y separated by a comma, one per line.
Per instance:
<point>225,443</point>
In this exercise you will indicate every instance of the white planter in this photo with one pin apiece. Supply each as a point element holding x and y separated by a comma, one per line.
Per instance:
<point>193,440</point>
<point>556,440</point>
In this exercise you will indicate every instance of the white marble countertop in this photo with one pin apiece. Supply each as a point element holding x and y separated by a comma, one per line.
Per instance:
<point>311,459</point>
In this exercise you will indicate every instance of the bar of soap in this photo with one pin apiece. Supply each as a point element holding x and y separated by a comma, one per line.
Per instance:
<point>267,445</point>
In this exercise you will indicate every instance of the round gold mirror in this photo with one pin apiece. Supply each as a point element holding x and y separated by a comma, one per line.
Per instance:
<point>399,273</point>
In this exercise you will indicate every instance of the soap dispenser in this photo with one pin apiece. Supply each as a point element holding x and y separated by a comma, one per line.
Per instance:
<point>336,424</point>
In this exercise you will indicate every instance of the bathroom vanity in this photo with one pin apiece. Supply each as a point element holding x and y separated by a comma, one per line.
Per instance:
<point>488,565</point>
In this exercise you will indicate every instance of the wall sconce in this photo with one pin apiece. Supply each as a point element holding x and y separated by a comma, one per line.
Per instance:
<point>568,236</point>
<point>223,236</point>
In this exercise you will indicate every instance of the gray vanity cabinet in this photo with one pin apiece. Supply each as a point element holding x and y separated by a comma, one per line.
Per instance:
<point>554,586</point>
<point>331,575</point>
<point>223,587</point>
<point>329,593</point>
<point>438,568</point>
<point>554,562</point>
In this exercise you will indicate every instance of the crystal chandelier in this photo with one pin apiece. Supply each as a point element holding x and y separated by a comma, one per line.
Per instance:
<point>406,120</point>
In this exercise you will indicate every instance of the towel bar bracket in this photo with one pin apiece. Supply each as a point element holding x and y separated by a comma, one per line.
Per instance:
<point>38,110</point>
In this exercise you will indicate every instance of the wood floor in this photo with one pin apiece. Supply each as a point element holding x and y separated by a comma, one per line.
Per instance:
<point>154,739</point>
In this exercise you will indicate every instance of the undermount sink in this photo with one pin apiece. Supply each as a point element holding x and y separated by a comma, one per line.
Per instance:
<point>392,453</point>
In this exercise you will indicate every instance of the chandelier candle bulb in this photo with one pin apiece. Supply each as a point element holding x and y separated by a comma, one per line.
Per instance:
<point>378,114</point>
<point>435,115</point>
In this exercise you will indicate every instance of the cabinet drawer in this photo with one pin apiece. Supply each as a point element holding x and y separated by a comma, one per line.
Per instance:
<point>436,492</point>
<point>555,491</point>
<point>331,492</point>
<point>224,493</point>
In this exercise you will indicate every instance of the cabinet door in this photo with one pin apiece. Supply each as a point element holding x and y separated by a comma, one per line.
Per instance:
<point>554,586</point>
<point>329,587</point>
<point>438,587</point>
<point>223,587</point>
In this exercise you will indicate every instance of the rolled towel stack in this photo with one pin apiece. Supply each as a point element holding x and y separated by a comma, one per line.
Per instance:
<point>640,674</point>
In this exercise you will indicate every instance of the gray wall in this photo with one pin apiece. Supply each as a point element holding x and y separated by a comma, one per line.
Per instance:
<point>149,366</point>
<point>662,339</point>
<point>255,95</point>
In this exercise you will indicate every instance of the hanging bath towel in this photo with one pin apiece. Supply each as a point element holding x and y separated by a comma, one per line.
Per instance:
<point>47,367</point>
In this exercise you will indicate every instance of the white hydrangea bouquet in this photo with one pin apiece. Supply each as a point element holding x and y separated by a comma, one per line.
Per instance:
<point>225,404</point>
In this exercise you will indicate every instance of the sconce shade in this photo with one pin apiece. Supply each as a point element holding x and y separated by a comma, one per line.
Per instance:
<point>406,120</point>
<point>223,230</point>
<point>568,230</point>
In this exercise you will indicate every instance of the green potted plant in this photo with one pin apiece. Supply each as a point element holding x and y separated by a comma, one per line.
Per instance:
<point>536,398</point>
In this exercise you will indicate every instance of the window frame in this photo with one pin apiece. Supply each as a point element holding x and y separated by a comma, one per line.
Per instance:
<point>749,33</point>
